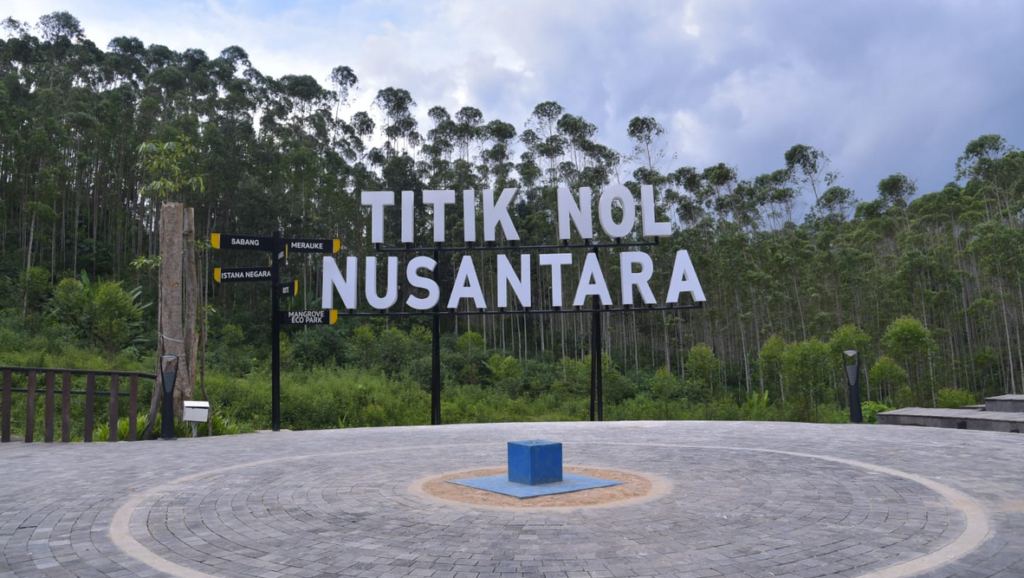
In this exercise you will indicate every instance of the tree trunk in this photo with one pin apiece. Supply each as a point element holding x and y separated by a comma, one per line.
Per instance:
<point>28,266</point>
<point>186,387</point>
<point>176,325</point>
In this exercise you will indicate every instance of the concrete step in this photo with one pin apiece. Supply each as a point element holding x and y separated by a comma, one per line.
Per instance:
<point>1012,422</point>
<point>979,407</point>
<point>1011,403</point>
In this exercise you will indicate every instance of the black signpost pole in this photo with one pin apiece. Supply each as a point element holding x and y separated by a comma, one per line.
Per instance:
<point>278,248</point>
<point>596,393</point>
<point>435,362</point>
<point>593,370</point>
<point>598,366</point>
<point>275,329</point>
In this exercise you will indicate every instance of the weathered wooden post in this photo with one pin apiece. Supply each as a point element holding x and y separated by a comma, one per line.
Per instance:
<point>178,301</point>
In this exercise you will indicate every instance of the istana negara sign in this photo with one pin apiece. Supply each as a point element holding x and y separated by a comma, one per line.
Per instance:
<point>635,270</point>
<point>636,267</point>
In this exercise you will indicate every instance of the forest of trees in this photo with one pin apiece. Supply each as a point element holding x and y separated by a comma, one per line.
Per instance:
<point>797,267</point>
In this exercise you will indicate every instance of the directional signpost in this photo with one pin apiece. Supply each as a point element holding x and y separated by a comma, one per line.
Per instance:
<point>310,317</point>
<point>288,289</point>
<point>245,242</point>
<point>278,248</point>
<point>241,274</point>
<point>313,245</point>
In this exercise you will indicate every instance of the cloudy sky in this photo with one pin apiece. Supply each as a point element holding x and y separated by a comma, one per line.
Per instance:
<point>880,86</point>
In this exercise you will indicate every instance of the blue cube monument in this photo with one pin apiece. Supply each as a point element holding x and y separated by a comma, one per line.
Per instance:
<point>534,462</point>
<point>534,469</point>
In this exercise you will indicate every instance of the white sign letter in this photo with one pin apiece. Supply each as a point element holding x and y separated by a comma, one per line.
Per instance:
<point>346,285</point>
<point>652,228</point>
<point>377,200</point>
<point>391,296</point>
<point>591,283</point>
<point>556,260</point>
<point>408,219</point>
<point>498,213</point>
<point>507,278</point>
<point>639,279</point>
<point>580,214</point>
<point>412,274</point>
<point>684,280</point>
<point>438,199</point>
<point>604,211</point>
<point>467,286</point>
<point>469,215</point>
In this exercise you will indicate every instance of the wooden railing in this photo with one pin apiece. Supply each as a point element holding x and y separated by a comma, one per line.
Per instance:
<point>113,394</point>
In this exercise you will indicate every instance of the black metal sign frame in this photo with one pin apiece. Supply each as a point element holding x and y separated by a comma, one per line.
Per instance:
<point>280,247</point>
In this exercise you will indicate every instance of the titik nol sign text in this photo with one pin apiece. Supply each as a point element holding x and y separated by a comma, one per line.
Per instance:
<point>636,267</point>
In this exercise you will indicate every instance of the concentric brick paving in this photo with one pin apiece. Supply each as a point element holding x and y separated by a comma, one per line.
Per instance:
<point>744,499</point>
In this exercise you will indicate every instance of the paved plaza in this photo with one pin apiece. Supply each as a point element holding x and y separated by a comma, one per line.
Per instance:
<point>739,499</point>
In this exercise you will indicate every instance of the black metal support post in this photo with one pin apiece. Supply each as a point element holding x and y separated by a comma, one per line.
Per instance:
<point>435,363</point>
<point>275,330</point>
<point>596,389</point>
<point>599,366</point>
<point>593,367</point>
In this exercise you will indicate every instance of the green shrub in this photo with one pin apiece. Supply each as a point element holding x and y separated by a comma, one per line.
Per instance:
<point>317,346</point>
<point>757,408</point>
<point>222,425</point>
<point>869,410</point>
<point>954,398</point>
<point>105,313</point>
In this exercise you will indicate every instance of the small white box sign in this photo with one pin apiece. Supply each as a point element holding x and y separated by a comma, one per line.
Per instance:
<point>196,411</point>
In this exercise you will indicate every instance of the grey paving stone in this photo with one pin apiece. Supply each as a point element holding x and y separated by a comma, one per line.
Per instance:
<point>746,499</point>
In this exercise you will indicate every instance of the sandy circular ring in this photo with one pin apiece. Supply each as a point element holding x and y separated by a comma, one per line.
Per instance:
<point>635,487</point>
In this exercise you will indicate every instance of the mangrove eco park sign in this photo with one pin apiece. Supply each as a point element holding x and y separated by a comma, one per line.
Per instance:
<point>514,276</point>
<point>636,267</point>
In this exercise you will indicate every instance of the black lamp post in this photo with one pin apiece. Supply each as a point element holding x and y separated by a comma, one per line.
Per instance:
<point>169,374</point>
<point>852,358</point>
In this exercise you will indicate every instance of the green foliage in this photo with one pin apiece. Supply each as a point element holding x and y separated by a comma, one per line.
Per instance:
<point>115,316</point>
<point>906,339</point>
<point>954,398</point>
<point>170,166</point>
<point>293,152</point>
<point>807,372</point>
<point>702,370</point>
<point>470,357</point>
<point>769,365</point>
<point>665,386</point>
<point>106,313</point>
<point>757,408</point>
<point>869,410</point>
<point>34,285</point>
<point>319,345</point>
<point>886,377</point>
<point>507,374</point>
<point>221,424</point>
<point>909,342</point>
<point>849,337</point>
<point>230,351</point>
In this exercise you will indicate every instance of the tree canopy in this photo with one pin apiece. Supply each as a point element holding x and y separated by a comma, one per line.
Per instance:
<point>931,282</point>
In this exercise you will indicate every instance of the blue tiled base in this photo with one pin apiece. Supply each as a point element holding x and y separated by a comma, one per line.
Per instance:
<point>500,484</point>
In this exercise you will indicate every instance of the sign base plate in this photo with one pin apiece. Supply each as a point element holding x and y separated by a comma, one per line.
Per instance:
<point>499,484</point>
